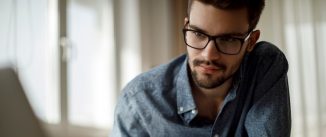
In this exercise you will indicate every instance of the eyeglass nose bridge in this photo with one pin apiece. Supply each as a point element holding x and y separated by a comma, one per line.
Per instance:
<point>215,43</point>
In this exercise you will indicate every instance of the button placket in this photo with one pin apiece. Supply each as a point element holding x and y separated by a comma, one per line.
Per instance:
<point>180,109</point>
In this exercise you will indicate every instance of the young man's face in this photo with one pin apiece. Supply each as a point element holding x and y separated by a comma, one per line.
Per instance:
<point>209,67</point>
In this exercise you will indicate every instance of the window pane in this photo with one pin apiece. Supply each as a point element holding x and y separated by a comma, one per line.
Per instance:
<point>91,89</point>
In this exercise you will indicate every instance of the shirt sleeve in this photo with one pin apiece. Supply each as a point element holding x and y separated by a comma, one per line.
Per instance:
<point>271,116</point>
<point>270,113</point>
<point>126,121</point>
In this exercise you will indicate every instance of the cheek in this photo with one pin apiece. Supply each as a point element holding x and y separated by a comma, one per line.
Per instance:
<point>234,64</point>
<point>236,60</point>
<point>192,54</point>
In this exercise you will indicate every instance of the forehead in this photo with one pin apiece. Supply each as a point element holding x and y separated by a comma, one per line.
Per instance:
<point>217,21</point>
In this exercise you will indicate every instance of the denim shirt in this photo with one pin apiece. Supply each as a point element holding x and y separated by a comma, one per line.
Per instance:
<point>159,103</point>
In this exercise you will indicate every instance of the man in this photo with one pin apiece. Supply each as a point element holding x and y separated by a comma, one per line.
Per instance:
<point>227,85</point>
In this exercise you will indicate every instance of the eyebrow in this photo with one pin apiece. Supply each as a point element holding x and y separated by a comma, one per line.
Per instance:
<point>196,28</point>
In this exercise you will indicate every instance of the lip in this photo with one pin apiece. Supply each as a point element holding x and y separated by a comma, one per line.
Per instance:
<point>209,69</point>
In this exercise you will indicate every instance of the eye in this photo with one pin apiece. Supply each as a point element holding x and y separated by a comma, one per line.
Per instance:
<point>198,34</point>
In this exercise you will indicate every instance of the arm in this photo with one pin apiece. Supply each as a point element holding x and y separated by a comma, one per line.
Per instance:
<point>270,116</point>
<point>126,121</point>
<point>270,113</point>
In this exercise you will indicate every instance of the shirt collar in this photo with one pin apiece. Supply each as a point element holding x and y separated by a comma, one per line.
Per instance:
<point>185,101</point>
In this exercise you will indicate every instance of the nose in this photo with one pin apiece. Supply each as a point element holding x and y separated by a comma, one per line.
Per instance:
<point>211,52</point>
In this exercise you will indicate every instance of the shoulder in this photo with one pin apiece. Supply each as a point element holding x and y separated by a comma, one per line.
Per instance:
<point>268,51</point>
<point>266,47</point>
<point>267,56</point>
<point>266,69</point>
<point>157,78</point>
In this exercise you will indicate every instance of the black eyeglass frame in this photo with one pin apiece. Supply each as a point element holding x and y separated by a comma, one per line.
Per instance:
<point>242,40</point>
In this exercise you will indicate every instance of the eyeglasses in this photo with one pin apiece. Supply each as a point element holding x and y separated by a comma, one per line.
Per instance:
<point>224,44</point>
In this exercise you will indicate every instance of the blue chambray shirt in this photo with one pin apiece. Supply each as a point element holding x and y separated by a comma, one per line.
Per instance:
<point>159,103</point>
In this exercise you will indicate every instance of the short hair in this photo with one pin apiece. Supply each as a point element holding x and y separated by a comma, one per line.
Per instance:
<point>254,8</point>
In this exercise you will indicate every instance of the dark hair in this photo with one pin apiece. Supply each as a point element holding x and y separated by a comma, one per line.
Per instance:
<point>254,8</point>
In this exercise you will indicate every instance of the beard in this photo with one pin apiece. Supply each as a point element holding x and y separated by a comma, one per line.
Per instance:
<point>209,81</point>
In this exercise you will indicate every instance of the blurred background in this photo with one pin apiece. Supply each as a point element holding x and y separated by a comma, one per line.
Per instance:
<point>74,56</point>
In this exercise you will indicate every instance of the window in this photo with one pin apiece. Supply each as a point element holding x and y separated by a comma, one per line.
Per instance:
<point>72,81</point>
<point>30,41</point>
<point>91,64</point>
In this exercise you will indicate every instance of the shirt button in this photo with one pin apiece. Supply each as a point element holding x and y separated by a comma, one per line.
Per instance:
<point>194,111</point>
<point>181,109</point>
<point>216,135</point>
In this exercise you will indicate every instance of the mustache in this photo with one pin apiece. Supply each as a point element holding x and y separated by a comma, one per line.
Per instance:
<point>197,62</point>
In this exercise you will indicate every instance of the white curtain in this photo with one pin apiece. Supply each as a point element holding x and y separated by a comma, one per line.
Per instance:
<point>298,27</point>
<point>28,41</point>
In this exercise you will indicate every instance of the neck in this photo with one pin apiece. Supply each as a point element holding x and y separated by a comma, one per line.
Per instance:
<point>213,94</point>
<point>210,98</point>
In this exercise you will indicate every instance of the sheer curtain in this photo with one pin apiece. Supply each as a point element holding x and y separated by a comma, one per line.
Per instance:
<point>28,41</point>
<point>298,27</point>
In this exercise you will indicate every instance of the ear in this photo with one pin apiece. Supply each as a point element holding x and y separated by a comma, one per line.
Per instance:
<point>185,21</point>
<point>253,38</point>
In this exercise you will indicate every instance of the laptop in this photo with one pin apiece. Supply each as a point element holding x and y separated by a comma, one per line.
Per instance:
<point>16,115</point>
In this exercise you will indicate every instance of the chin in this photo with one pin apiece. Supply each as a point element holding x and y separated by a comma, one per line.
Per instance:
<point>208,81</point>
